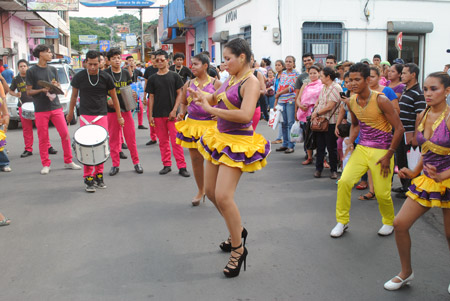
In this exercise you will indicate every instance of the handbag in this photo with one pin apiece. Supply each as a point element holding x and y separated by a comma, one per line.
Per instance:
<point>320,124</point>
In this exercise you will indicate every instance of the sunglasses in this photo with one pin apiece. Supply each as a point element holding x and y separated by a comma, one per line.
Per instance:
<point>160,60</point>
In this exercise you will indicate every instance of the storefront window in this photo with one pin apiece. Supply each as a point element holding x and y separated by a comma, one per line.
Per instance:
<point>247,34</point>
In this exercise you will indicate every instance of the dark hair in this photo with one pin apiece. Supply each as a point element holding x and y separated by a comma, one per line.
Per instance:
<point>38,49</point>
<point>398,68</point>
<point>22,61</point>
<point>331,57</point>
<point>377,56</point>
<point>327,71</point>
<point>443,77</point>
<point>292,57</point>
<point>267,61</point>
<point>202,58</point>
<point>413,68</point>
<point>344,130</point>
<point>113,52</point>
<point>308,55</point>
<point>282,63</point>
<point>377,71</point>
<point>161,52</point>
<point>316,67</point>
<point>206,53</point>
<point>239,46</point>
<point>92,54</point>
<point>178,55</point>
<point>362,68</point>
<point>347,74</point>
<point>129,57</point>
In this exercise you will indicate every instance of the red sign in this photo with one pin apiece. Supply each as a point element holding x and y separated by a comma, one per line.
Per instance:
<point>399,41</point>
<point>165,47</point>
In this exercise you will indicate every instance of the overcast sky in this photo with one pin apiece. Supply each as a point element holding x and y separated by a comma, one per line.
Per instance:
<point>149,14</point>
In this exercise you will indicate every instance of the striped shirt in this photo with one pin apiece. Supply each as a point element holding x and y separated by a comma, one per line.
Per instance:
<point>327,95</point>
<point>412,103</point>
<point>287,80</point>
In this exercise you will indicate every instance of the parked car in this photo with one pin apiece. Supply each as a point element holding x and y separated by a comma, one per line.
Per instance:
<point>65,74</point>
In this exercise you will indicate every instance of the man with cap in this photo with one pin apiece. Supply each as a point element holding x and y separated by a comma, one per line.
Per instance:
<point>8,74</point>
<point>366,61</point>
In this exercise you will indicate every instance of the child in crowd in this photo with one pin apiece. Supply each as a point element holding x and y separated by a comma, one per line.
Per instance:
<point>347,149</point>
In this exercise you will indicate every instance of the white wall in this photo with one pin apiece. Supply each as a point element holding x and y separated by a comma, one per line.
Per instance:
<point>364,38</point>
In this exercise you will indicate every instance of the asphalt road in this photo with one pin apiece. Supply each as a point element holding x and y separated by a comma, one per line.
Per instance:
<point>140,239</point>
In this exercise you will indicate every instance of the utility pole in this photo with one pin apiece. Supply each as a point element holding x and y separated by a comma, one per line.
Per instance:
<point>142,38</point>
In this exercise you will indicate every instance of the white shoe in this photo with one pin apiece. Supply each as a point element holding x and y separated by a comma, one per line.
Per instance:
<point>449,289</point>
<point>6,169</point>
<point>72,165</point>
<point>338,230</point>
<point>386,230</point>
<point>393,286</point>
<point>45,170</point>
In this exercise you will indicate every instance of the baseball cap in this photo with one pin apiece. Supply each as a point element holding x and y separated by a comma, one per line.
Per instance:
<point>398,61</point>
<point>5,65</point>
<point>339,64</point>
<point>385,63</point>
<point>366,60</point>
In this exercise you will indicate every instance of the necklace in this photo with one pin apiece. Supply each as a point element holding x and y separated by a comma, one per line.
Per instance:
<point>114,77</point>
<point>176,70</point>
<point>89,78</point>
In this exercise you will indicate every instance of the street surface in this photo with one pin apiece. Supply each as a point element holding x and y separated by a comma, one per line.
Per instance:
<point>140,239</point>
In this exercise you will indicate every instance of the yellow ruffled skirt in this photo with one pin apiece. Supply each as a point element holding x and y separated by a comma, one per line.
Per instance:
<point>190,131</point>
<point>429,193</point>
<point>246,152</point>
<point>2,140</point>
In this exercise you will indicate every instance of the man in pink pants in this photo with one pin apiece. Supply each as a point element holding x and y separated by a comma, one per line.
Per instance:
<point>93,86</point>
<point>165,92</point>
<point>149,71</point>
<point>19,84</point>
<point>47,108</point>
<point>121,78</point>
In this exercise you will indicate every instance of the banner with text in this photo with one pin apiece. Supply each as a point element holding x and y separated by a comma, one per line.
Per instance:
<point>116,3</point>
<point>87,39</point>
<point>53,5</point>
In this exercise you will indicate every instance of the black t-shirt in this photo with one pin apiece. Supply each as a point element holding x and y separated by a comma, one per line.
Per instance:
<point>41,102</point>
<point>136,74</point>
<point>93,96</point>
<point>164,88</point>
<point>149,71</point>
<point>121,79</point>
<point>20,84</point>
<point>184,72</point>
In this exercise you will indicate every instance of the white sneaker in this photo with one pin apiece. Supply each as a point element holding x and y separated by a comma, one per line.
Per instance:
<point>72,165</point>
<point>6,169</point>
<point>338,230</point>
<point>45,170</point>
<point>386,230</point>
<point>449,289</point>
<point>393,286</point>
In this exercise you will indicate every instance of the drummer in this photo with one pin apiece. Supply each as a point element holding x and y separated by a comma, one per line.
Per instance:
<point>93,86</point>
<point>18,83</point>
<point>47,108</point>
<point>121,78</point>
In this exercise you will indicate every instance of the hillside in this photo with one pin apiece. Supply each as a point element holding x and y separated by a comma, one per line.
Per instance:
<point>90,26</point>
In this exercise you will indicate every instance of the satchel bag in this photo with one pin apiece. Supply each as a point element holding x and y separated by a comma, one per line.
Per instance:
<point>320,124</point>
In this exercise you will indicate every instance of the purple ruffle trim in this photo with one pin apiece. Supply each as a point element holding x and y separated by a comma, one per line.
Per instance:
<point>430,195</point>
<point>2,143</point>
<point>237,157</point>
<point>186,139</point>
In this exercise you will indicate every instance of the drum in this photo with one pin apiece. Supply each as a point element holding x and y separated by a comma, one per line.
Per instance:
<point>90,143</point>
<point>28,110</point>
<point>128,99</point>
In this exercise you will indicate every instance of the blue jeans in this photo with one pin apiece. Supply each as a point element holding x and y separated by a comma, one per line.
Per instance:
<point>288,121</point>
<point>4,161</point>
<point>271,101</point>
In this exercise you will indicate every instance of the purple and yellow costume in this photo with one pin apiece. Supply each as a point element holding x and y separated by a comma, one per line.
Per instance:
<point>375,140</point>
<point>2,133</point>
<point>198,121</point>
<point>435,152</point>
<point>230,143</point>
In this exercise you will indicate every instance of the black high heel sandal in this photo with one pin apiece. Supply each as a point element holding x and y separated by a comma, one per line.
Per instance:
<point>236,262</point>
<point>226,245</point>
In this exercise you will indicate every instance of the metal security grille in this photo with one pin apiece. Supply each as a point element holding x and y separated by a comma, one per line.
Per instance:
<point>247,34</point>
<point>321,39</point>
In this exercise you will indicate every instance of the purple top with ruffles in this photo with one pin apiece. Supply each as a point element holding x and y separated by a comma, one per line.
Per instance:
<point>439,138</point>
<point>229,99</point>
<point>194,110</point>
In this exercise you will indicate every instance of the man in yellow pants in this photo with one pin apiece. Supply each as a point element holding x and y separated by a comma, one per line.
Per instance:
<point>373,117</point>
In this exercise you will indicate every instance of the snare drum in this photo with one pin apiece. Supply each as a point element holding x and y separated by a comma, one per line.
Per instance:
<point>28,110</point>
<point>90,143</point>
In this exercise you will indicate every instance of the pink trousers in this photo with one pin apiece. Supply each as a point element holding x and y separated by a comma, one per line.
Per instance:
<point>27,127</point>
<point>152,129</point>
<point>129,133</point>
<point>57,118</point>
<point>165,130</point>
<point>140,114</point>
<point>94,170</point>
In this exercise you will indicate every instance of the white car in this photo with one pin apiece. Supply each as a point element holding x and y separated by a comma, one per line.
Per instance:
<point>65,74</point>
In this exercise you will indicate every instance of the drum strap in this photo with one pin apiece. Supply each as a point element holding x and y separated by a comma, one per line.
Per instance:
<point>93,120</point>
